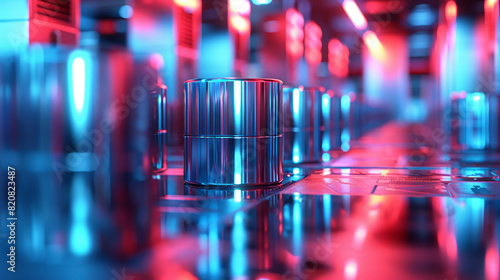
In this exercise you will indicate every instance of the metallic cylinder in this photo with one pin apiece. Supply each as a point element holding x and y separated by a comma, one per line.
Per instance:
<point>233,131</point>
<point>159,129</point>
<point>302,110</point>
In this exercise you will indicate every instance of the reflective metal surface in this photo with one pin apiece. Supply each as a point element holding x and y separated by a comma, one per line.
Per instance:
<point>403,217</point>
<point>159,129</point>
<point>302,118</point>
<point>233,160</point>
<point>233,131</point>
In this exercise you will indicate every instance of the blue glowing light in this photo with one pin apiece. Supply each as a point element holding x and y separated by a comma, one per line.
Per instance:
<point>422,15</point>
<point>345,136</point>
<point>297,238</point>
<point>327,206</point>
<point>237,164</point>
<point>325,109</point>
<point>326,157</point>
<point>296,152</point>
<point>476,120</point>
<point>345,103</point>
<point>296,171</point>
<point>296,196</point>
<point>238,258</point>
<point>80,240</point>
<point>79,87</point>
<point>296,102</point>
<point>325,145</point>
<point>78,67</point>
<point>345,147</point>
<point>126,11</point>
<point>262,2</point>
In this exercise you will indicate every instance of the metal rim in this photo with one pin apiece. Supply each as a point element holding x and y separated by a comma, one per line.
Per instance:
<point>230,79</point>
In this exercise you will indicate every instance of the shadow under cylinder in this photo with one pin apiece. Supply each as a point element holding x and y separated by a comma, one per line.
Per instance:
<point>302,117</point>
<point>233,132</point>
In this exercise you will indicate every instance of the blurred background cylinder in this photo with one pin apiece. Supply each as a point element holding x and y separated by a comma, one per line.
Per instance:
<point>302,110</point>
<point>78,130</point>
<point>233,131</point>
<point>474,121</point>
<point>330,122</point>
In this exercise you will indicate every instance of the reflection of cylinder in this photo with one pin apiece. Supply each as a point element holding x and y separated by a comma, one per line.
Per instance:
<point>159,127</point>
<point>302,110</point>
<point>233,131</point>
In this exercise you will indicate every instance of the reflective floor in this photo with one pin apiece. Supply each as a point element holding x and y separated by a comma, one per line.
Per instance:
<point>397,205</point>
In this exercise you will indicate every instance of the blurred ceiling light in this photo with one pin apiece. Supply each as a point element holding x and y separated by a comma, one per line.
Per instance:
<point>490,3</point>
<point>451,11</point>
<point>373,43</point>
<point>354,13</point>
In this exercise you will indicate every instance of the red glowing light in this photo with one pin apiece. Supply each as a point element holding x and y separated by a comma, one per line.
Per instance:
<point>294,33</point>
<point>373,43</point>
<point>354,13</point>
<point>313,43</point>
<point>156,61</point>
<point>491,21</point>
<point>463,94</point>
<point>491,262</point>
<point>338,58</point>
<point>451,246</point>
<point>490,3</point>
<point>451,11</point>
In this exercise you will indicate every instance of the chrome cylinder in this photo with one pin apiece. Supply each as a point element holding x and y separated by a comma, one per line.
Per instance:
<point>302,116</point>
<point>159,129</point>
<point>233,131</point>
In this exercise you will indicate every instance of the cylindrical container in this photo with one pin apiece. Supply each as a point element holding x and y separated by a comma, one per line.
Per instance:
<point>159,129</point>
<point>302,110</point>
<point>233,131</point>
<point>330,122</point>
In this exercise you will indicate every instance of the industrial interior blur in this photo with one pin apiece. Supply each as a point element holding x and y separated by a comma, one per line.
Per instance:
<point>249,139</point>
